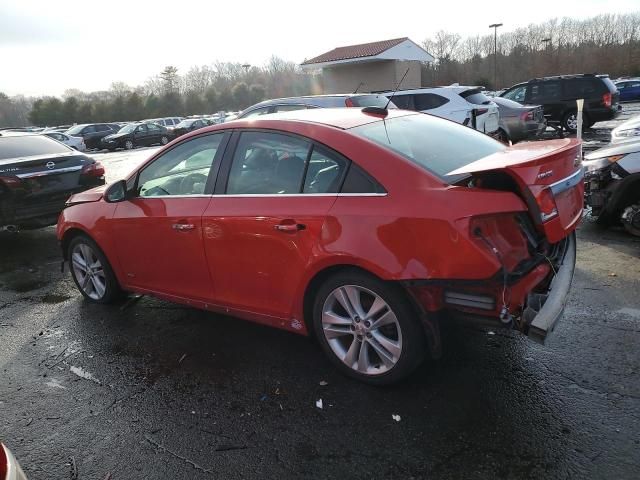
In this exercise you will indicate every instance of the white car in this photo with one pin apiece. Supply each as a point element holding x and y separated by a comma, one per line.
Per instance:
<point>169,122</point>
<point>628,131</point>
<point>73,142</point>
<point>458,103</point>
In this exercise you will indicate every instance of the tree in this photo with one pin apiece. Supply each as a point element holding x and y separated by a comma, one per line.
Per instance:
<point>152,106</point>
<point>194,103</point>
<point>70,110</point>
<point>211,99</point>
<point>170,79</point>
<point>257,93</point>
<point>241,96</point>
<point>134,107</point>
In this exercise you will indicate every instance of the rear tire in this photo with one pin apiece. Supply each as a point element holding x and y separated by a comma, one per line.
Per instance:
<point>368,328</point>
<point>570,121</point>
<point>92,272</point>
<point>164,140</point>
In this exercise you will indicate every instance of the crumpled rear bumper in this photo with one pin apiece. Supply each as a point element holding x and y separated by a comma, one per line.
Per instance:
<point>544,311</point>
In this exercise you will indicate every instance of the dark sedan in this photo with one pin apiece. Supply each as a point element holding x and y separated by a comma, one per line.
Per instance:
<point>92,133</point>
<point>137,135</point>
<point>37,176</point>
<point>519,122</point>
<point>190,124</point>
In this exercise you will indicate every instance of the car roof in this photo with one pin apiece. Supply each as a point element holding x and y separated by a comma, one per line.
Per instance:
<point>343,118</point>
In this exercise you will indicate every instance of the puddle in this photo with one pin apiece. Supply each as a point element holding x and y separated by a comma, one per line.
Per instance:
<point>54,298</point>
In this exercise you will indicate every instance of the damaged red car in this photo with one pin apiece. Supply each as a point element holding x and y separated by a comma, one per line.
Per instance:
<point>366,228</point>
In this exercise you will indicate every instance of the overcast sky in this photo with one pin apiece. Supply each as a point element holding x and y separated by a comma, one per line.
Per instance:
<point>47,47</point>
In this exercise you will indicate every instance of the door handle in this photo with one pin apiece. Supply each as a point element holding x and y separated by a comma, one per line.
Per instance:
<point>183,227</point>
<point>290,227</point>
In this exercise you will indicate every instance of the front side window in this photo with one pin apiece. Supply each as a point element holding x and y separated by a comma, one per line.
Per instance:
<point>153,127</point>
<point>429,101</point>
<point>181,171</point>
<point>268,163</point>
<point>545,92</point>
<point>141,129</point>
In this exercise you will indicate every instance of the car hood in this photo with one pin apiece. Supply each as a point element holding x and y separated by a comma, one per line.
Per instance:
<point>631,146</point>
<point>88,196</point>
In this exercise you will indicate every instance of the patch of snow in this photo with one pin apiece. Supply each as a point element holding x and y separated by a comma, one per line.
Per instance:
<point>84,374</point>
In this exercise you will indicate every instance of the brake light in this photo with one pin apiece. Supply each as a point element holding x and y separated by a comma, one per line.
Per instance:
<point>349,103</point>
<point>548,207</point>
<point>606,99</point>
<point>93,170</point>
<point>525,116</point>
<point>4,462</point>
<point>481,111</point>
<point>10,182</point>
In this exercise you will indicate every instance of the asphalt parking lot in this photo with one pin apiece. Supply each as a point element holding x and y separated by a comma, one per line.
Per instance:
<point>156,390</point>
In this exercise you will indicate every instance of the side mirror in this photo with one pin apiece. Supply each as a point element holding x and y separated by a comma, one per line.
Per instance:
<point>117,192</point>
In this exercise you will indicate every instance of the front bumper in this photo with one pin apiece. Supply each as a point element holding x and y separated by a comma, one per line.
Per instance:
<point>552,304</point>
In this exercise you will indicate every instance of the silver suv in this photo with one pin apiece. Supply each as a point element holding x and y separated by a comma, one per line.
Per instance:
<point>316,101</point>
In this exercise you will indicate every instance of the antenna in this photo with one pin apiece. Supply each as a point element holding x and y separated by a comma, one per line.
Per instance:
<point>397,87</point>
<point>358,87</point>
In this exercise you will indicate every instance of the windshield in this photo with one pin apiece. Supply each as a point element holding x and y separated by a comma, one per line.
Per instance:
<point>76,129</point>
<point>437,145</point>
<point>29,146</point>
<point>127,128</point>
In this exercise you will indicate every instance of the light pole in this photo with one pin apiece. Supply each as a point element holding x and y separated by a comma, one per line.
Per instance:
<point>246,67</point>
<point>547,43</point>
<point>495,53</point>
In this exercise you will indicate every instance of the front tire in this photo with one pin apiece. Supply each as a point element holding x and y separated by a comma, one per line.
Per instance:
<point>368,328</point>
<point>92,272</point>
<point>129,145</point>
<point>570,121</point>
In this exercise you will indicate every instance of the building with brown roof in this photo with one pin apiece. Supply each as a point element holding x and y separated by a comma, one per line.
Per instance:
<point>371,66</point>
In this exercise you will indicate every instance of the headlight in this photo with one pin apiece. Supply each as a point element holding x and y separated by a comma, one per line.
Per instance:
<point>629,132</point>
<point>600,163</point>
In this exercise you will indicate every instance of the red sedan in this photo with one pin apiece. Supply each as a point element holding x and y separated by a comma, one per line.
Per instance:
<point>364,227</point>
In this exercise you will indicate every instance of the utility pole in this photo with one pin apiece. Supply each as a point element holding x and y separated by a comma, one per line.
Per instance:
<point>495,53</point>
<point>547,43</point>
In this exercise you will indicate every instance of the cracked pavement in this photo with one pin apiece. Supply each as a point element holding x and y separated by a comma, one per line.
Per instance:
<point>156,390</point>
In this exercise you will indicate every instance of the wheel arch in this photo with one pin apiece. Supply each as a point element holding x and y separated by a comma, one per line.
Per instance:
<point>626,193</point>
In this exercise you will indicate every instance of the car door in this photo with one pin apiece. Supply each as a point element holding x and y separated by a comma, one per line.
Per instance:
<point>154,133</point>
<point>158,232</point>
<point>89,135</point>
<point>549,94</point>
<point>261,229</point>
<point>141,135</point>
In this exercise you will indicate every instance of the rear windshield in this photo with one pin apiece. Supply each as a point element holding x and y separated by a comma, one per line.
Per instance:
<point>370,101</point>
<point>29,146</point>
<point>476,97</point>
<point>76,129</point>
<point>437,145</point>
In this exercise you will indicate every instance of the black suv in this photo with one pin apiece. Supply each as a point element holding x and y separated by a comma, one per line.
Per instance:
<point>92,133</point>
<point>558,95</point>
<point>37,176</point>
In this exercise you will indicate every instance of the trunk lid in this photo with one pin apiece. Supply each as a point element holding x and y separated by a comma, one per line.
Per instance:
<point>549,177</point>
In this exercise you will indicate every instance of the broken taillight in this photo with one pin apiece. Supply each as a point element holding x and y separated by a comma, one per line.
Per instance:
<point>525,116</point>
<point>93,170</point>
<point>547,204</point>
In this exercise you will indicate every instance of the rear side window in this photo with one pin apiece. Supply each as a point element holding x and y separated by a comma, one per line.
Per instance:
<point>434,144</point>
<point>582,87</point>
<point>545,92</point>
<point>268,163</point>
<point>428,101</point>
<point>476,97</point>
<point>359,181</point>
<point>324,172</point>
<point>516,94</point>
<point>29,146</point>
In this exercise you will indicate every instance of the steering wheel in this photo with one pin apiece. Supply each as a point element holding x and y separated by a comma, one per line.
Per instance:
<point>188,182</point>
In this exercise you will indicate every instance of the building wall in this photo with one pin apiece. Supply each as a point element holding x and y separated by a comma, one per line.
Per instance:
<point>378,75</point>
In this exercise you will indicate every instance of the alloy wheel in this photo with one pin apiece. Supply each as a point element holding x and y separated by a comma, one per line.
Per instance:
<point>88,271</point>
<point>572,121</point>
<point>164,140</point>
<point>362,330</point>
<point>128,145</point>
